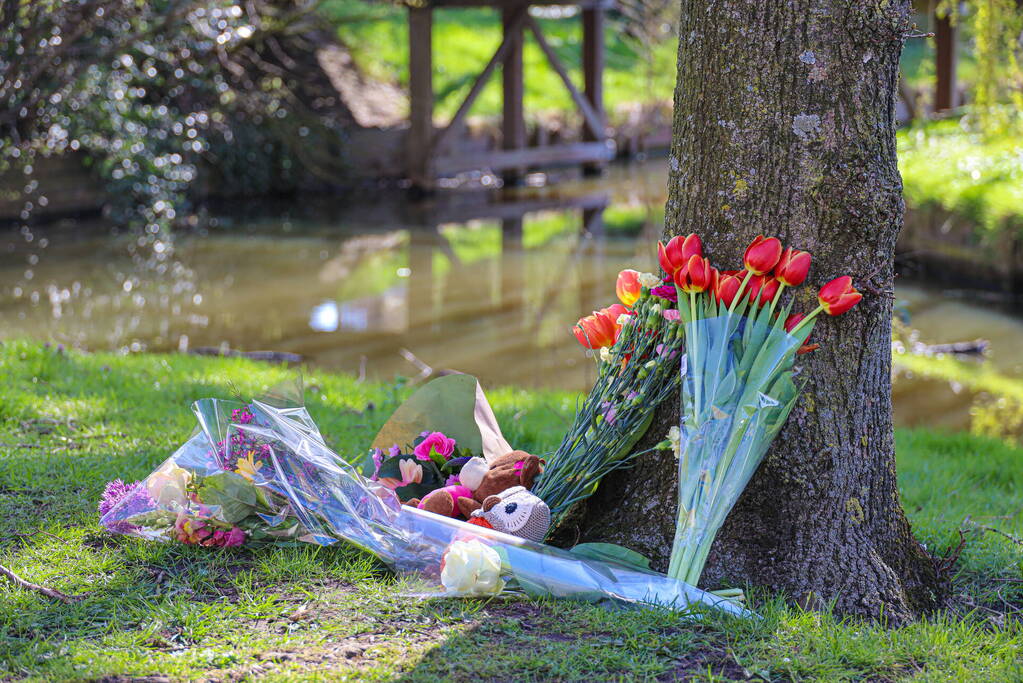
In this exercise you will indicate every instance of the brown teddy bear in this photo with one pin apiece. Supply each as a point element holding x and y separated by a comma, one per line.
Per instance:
<point>478,481</point>
<point>517,468</point>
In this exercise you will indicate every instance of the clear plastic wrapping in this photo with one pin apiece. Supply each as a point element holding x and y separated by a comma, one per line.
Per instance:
<point>261,472</point>
<point>737,392</point>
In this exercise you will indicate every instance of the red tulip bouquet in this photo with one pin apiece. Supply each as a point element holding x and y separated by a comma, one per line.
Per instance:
<point>737,376</point>
<point>638,346</point>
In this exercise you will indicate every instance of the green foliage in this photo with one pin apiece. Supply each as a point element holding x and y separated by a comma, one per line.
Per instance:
<point>147,92</point>
<point>944,163</point>
<point>995,26</point>
<point>69,422</point>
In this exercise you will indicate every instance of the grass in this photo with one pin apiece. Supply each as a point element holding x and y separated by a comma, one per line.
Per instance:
<point>976,176</point>
<point>69,422</point>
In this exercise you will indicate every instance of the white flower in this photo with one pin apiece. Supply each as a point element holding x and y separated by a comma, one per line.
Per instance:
<point>649,280</point>
<point>624,319</point>
<point>675,437</point>
<point>471,568</point>
<point>168,485</point>
<point>605,354</point>
<point>650,364</point>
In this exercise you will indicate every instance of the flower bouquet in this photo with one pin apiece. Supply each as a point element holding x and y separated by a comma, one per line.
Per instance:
<point>738,379</point>
<point>261,473</point>
<point>638,344</point>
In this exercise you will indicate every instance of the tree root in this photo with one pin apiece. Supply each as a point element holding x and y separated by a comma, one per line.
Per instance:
<point>42,590</point>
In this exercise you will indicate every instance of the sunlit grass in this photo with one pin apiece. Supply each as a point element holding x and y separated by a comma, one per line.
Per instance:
<point>69,422</point>
<point>981,178</point>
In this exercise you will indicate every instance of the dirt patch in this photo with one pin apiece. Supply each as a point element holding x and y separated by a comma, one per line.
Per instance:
<point>717,661</point>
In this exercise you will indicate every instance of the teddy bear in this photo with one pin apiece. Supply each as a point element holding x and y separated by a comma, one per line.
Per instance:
<point>517,468</point>
<point>515,511</point>
<point>478,481</point>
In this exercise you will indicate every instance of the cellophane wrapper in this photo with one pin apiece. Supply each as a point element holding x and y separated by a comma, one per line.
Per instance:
<point>305,492</point>
<point>737,391</point>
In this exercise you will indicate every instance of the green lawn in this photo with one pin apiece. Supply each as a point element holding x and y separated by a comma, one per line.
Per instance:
<point>69,422</point>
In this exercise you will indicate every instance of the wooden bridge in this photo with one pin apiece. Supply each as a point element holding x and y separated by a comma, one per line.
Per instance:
<point>428,151</point>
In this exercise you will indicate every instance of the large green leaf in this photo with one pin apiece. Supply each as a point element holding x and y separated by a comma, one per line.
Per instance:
<point>454,405</point>
<point>233,493</point>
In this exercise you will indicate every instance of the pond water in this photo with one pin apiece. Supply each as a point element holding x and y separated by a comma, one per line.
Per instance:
<point>486,282</point>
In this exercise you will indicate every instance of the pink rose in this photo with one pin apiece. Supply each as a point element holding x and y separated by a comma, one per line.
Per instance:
<point>234,537</point>
<point>436,442</point>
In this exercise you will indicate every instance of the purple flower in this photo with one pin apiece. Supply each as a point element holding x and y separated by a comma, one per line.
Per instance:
<point>453,480</point>
<point>610,412</point>
<point>394,451</point>
<point>437,443</point>
<point>378,460</point>
<point>666,292</point>
<point>113,494</point>
<point>126,497</point>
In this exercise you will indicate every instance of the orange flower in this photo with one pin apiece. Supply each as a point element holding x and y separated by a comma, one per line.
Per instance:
<point>696,276</point>
<point>792,267</point>
<point>627,287</point>
<point>675,255</point>
<point>838,296</point>
<point>762,254</point>
<point>600,328</point>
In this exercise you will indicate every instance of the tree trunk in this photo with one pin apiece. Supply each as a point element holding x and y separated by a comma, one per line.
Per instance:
<point>784,125</point>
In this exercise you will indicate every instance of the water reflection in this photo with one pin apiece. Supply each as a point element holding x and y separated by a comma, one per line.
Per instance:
<point>482,282</point>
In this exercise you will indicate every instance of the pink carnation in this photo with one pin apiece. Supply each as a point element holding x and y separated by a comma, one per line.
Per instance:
<point>671,314</point>
<point>436,442</point>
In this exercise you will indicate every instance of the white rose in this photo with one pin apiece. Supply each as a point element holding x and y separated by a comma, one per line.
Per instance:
<point>649,280</point>
<point>168,485</point>
<point>675,437</point>
<point>471,568</point>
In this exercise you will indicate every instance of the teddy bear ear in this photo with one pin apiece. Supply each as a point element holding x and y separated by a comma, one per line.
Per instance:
<point>490,502</point>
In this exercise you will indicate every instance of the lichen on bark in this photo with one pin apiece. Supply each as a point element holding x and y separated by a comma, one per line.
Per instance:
<point>811,144</point>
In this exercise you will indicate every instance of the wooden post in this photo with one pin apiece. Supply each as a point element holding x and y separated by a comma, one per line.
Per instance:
<point>514,121</point>
<point>593,73</point>
<point>513,266</point>
<point>420,133</point>
<point>944,64</point>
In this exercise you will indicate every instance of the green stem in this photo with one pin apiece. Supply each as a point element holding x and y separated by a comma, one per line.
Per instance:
<point>802,323</point>
<point>742,290</point>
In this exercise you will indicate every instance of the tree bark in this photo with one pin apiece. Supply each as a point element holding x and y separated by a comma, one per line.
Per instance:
<point>784,124</point>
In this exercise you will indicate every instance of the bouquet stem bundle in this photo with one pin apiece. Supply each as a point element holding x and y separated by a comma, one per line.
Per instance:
<point>638,369</point>
<point>738,383</point>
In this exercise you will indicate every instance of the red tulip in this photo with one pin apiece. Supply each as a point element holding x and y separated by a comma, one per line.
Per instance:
<point>727,287</point>
<point>768,290</point>
<point>595,330</point>
<point>838,296</point>
<point>792,267</point>
<point>675,255</point>
<point>762,254</point>
<point>615,311</point>
<point>792,321</point>
<point>753,286</point>
<point>696,276</point>
<point>627,287</point>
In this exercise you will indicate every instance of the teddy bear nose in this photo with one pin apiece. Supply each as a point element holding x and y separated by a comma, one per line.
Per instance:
<point>510,508</point>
